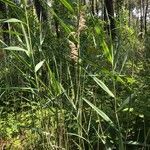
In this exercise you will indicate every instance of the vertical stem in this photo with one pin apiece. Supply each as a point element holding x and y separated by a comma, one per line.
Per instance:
<point>129,5</point>
<point>78,82</point>
<point>145,16</point>
<point>121,147</point>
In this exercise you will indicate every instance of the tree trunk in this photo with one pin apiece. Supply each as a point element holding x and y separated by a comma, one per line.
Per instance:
<point>146,12</point>
<point>40,10</point>
<point>92,7</point>
<point>5,26</point>
<point>109,15</point>
<point>141,17</point>
<point>129,12</point>
<point>96,7</point>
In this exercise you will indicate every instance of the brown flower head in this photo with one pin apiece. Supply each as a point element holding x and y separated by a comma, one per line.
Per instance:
<point>73,51</point>
<point>82,22</point>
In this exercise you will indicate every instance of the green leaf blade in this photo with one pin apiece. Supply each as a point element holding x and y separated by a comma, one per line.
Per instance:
<point>103,86</point>
<point>67,5</point>
<point>13,20</point>
<point>101,113</point>
<point>15,48</point>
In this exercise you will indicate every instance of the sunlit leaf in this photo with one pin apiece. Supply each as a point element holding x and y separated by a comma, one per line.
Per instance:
<point>67,5</point>
<point>106,51</point>
<point>103,86</point>
<point>15,48</point>
<point>101,113</point>
<point>13,20</point>
<point>39,65</point>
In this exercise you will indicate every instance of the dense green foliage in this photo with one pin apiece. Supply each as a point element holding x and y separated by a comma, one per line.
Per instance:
<point>68,83</point>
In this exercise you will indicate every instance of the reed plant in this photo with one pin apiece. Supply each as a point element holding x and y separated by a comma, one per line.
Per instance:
<point>72,91</point>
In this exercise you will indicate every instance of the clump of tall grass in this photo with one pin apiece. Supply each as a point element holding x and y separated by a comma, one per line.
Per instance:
<point>57,104</point>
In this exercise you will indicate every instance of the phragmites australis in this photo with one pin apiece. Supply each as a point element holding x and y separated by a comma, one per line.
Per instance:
<point>82,21</point>
<point>74,49</point>
<point>73,52</point>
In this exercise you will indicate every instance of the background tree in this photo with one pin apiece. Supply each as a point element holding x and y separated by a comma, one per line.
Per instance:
<point>109,16</point>
<point>5,27</point>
